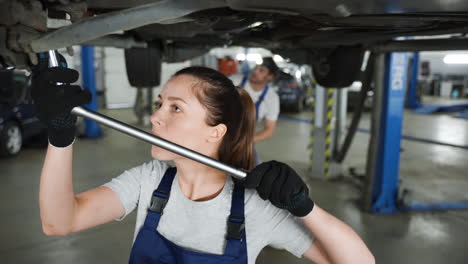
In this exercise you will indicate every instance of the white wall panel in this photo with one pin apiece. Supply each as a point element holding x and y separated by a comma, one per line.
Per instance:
<point>119,93</point>
<point>437,65</point>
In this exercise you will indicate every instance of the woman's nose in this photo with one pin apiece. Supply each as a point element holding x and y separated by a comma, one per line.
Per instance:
<point>156,119</point>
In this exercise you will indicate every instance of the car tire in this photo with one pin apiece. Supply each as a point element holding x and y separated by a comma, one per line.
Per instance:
<point>144,66</point>
<point>11,139</point>
<point>340,68</point>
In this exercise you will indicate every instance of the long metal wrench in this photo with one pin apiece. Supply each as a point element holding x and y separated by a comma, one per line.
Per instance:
<point>147,137</point>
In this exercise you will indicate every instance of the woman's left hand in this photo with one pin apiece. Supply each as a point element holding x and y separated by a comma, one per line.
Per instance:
<point>280,184</point>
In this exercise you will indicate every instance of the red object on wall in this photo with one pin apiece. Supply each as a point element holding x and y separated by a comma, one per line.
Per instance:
<point>227,66</point>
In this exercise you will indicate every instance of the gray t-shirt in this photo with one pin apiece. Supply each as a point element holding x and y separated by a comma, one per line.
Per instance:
<point>202,226</point>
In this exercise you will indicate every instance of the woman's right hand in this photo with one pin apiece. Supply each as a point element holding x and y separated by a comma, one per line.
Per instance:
<point>53,102</point>
<point>282,186</point>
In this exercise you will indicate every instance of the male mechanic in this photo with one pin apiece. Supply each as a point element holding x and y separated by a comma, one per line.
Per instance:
<point>266,100</point>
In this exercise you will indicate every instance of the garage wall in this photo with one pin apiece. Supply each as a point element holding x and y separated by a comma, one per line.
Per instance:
<point>119,93</point>
<point>167,70</point>
<point>74,62</point>
<point>437,65</point>
<point>206,60</point>
<point>111,75</point>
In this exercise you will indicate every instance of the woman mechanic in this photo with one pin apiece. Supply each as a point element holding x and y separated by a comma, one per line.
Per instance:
<point>189,213</point>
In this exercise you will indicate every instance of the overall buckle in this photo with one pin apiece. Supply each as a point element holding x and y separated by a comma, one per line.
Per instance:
<point>235,226</point>
<point>158,202</point>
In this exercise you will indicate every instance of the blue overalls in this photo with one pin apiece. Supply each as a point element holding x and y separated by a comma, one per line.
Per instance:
<point>257,108</point>
<point>151,247</point>
<point>260,99</point>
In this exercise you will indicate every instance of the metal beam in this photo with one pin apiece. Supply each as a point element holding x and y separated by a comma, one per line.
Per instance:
<point>390,121</point>
<point>422,45</point>
<point>371,163</point>
<point>101,25</point>
<point>116,41</point>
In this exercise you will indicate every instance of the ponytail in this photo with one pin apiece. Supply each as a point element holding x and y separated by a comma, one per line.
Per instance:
<point>245,152</point>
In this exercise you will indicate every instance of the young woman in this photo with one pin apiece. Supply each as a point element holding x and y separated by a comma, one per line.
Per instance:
<point>190,213</point>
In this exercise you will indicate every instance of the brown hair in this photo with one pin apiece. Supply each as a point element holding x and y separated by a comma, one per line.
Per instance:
<point>228,105</point>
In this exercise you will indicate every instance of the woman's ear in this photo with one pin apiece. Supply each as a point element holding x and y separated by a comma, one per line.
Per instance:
<point>217,133</point>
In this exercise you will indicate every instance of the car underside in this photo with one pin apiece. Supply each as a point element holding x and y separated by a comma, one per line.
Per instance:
<point>307,32</point>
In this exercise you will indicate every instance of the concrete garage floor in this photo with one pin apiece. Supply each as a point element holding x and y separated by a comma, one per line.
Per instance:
<point>437,172</point>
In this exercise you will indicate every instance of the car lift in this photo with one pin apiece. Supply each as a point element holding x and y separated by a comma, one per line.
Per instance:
<point>413,102</point>
<point>383,157</point>
<point>381,194</point>
<point>92,129</point>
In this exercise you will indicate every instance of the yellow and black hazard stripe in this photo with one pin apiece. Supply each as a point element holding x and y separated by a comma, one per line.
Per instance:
<point>328,128</point>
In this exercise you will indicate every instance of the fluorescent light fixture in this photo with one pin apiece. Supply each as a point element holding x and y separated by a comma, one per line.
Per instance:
<point>357,84</point>
<point>240,56</point>
<point>456,59</point>
<point>278,58</point>
<point>256,24</point>
<point>298,74</point>
<point>250,57</point>
<point>364,60</point>
<point>255,57</point>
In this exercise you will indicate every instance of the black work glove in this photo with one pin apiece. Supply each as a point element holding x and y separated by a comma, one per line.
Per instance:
<point>280,184</point>
<point>54,102</point>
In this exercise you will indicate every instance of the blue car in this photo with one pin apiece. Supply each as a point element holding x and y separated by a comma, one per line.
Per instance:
<point>17,122</point>
<point>293,92</point>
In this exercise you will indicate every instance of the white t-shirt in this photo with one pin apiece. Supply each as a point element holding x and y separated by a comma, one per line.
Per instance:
<point>202,226</point>
<point>270,107</point>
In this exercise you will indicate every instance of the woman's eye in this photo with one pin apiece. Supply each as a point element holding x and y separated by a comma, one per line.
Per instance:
<point>157,105</point>
<point>176,108</point>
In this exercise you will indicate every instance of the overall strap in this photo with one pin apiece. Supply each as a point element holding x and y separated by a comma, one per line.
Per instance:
<point>260,100</point>
<point>244,80</point>
<point>161,194</point>
<point>159,199</point>
<point>236,243</point>
<point>236,218</point>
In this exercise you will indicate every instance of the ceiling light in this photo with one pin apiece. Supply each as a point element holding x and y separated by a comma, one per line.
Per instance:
<point>278,58</point>
<point>240,57</point>
<point>456,59</point>
<point>298,74</point>
<point>255,57</point>
<point>256,24</point>
<point>250,57</point>
<point>357,84</point>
